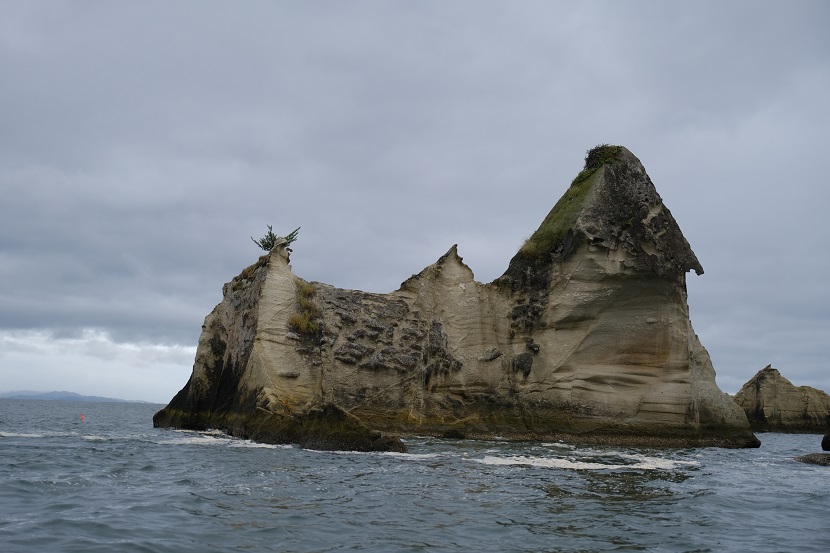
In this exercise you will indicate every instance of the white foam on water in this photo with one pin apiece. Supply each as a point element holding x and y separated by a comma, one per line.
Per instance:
<point>545,462</point>
<point>213,432</point>
<point>19,435</point>
<point>193,440</point>
<point>258,445</point>
<point>188,437</point>
<point>659,463</point>
<point>217,438</point>
<point>561,445</point>
<point>37,435</point>
<point>411,456</point>
<point>641,462</point>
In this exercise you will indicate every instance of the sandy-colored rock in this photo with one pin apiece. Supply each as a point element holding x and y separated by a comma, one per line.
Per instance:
<point>586,337</point>
<point>772,403</point>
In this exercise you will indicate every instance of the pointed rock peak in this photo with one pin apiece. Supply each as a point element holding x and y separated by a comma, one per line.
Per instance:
<point>450,259</point>
<point>767,373</point>
<point>452,253</point>
<point>612,204</point>
<point>768,370</point>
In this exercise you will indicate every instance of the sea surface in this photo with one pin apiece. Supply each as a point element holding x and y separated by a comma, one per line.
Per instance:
<point>113,483</point>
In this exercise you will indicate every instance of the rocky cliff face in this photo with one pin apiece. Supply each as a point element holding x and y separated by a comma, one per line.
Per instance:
<point>773,404</point>
<point>586,337</point>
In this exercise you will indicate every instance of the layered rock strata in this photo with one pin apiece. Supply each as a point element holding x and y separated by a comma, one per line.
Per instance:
<point>586,337</point>
<point>773,404</point>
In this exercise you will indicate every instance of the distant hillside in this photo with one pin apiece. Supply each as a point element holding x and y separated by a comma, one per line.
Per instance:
<point>63,396</point>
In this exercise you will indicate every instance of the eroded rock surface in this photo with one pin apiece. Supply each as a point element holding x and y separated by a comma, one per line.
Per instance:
<point>772,403</point>
<point>586,337</point>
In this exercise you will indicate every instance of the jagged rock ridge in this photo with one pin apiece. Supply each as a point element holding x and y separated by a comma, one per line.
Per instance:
<point>586,337</point>
<point>772,403</point>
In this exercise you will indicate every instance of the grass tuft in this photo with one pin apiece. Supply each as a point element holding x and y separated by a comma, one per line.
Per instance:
<point>305,321</point>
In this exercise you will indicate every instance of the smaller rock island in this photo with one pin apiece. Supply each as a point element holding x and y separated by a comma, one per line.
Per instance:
<point>585,338</point>
<point>773,404</point>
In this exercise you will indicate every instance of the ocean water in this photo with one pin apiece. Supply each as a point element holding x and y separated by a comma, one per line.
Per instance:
<point>114,483</point>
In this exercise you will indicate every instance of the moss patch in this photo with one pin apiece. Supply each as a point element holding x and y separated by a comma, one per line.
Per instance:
<point>563,216</point>
<point>559,221</point>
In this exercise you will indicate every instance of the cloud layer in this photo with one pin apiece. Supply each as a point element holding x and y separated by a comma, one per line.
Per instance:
<point>142,144</point>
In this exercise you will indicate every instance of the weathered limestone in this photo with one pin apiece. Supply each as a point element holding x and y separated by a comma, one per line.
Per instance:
<point>773,404</point>
<point>586,337</point>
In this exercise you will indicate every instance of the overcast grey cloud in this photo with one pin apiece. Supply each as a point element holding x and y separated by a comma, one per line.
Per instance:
<point>143,143</point>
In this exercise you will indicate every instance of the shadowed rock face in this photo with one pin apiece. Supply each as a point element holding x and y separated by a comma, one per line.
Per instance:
<point>586,337</point>
<point>772,403</point>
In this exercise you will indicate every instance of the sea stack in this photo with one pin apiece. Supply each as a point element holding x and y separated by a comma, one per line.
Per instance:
<point>585,338</point>
<point>773,404</point>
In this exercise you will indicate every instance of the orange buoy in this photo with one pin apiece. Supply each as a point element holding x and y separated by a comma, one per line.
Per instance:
<point>82,416</point>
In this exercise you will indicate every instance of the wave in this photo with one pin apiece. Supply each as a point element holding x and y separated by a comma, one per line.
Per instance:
<point>258,445</point>
<point>411,456</point>
<point>37,435</point>
<point>20,435</point>
<point>560,445</point>
<point>638,462</point>
<point>216,438</point>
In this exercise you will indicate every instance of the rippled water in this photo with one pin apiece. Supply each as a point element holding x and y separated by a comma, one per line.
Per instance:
<point>114,483</point>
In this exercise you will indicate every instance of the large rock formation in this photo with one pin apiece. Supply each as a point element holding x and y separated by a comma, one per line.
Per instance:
<point>586,337</point>
<point>773,404</point>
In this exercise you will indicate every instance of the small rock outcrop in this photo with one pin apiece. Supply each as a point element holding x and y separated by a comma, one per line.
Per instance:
<point>586,337</point>
<point>821,459</point>
<point>773,404</point>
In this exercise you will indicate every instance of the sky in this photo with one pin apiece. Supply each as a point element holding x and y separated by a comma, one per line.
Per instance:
<point>143,144</point>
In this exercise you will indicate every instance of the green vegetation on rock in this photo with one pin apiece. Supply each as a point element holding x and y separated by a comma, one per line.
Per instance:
<point>562,217</point>
<point>601,154</point>
<point>304,320</point>
<point>270,239</point>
